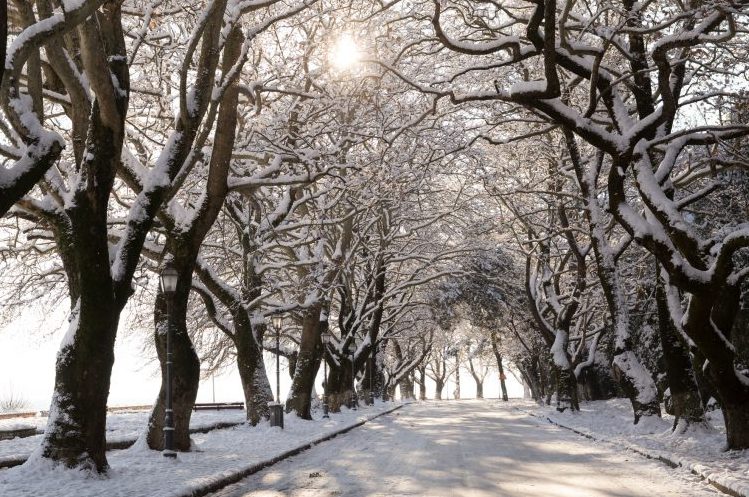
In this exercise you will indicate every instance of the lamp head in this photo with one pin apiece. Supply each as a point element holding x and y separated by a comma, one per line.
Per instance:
<point>168,278</point>
<point>277,320</point>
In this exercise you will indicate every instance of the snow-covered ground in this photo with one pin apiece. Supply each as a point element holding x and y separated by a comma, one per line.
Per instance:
<point>139,472</point>
<point>121,426</point>
<point>700,448</point>
<point>462,449</point>
<point>467,449</point>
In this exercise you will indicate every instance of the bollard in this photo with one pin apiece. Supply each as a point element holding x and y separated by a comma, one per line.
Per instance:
<point>276,415</point>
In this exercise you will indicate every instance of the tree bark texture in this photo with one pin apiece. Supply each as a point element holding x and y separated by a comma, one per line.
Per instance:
<point>308,363</point>
<point>685,396</point>
<point>185,371</point>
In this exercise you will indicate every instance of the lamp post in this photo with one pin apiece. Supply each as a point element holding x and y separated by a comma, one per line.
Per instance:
<point>325,338</point>
<point>168,283</point>
<point>277,321</point>
<point>371,376</point>
<point>276,418</point>
<point>353,376</point>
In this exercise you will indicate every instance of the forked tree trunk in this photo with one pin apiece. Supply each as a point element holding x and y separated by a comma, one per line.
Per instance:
<point>184,245</point>
<point>76,428</point>
<point>632,376</point>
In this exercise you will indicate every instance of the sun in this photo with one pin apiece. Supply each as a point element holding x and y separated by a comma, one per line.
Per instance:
<point>345,53</point>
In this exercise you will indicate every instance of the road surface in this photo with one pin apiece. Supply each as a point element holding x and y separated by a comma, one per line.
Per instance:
<point>466,449</point>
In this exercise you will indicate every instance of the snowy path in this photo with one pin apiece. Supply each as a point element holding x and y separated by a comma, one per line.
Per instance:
<point>471,449</point>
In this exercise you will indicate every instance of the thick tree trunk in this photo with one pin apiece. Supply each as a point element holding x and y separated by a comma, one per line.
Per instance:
<point>76,429</point>
<point>406,385</point>
<point>735,410</point>
<point>456,392</point>
<point>717,310</point>
<point>339,385</point>
<point>185,368</point>
<point>495,338</point>
<point>532,380</point>
<point>308,363</point>
<point>251,367</point>
<point>637,385</point>
<point>685,396</point>
<point>562,366</point>
<point>502,379</point>
<point>390,389</point>
<point>292,363</point>
<point>373,379</point>
<point>706,389</point>
<point>439,387</point>
<point>566,389</point>
<point>633,377</point>
<point>422,382</point>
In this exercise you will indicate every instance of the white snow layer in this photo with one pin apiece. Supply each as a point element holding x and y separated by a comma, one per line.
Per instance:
<point>698,448</point>
<point>140,472</point>
<point>466,449</point>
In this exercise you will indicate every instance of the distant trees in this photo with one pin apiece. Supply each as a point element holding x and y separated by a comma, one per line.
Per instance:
<point>617,89</point>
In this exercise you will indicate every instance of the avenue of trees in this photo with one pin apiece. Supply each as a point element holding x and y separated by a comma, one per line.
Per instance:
<point>553,190</point>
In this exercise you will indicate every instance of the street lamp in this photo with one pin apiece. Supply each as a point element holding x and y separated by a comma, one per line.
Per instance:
<point>168,283</point>
<point>276,418</point>
<point>371,376</point>
<point>353,376</point>
<point>277,320</point>
<point>325,337</point>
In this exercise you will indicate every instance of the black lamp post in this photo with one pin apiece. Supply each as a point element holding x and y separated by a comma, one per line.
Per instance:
<point>276,417</point>
<point>353,376</point>
<point>277,321</point>
<point>371,376</point>
<point>168,283</point>
<point>325,338</point>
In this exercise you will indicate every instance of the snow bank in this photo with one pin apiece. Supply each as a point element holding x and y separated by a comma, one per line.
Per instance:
<point>122,427</point>
<point>220,457</point>
<point>699,449</point>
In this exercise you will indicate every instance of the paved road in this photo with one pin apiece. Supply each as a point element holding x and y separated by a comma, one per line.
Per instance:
<point>466,449</point>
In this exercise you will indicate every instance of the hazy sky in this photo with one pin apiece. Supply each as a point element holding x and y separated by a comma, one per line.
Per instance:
<point>28,348</point>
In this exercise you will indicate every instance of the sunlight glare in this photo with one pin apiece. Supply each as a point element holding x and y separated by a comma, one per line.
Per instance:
<point>344,53</point>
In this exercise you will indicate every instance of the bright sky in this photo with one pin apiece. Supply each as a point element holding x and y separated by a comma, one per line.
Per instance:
<point>27,367</point>
<point>345,52</point>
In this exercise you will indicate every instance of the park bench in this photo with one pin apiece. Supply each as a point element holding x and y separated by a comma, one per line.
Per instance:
<point>217,406</point>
